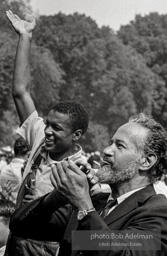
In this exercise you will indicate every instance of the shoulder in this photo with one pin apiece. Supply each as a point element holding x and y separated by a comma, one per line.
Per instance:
<point>157,201</point>
<point>32,122</point>
<point>147,202</point>
<point>32,130</point>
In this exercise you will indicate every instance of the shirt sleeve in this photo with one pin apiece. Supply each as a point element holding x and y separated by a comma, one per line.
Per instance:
<point>32,126</point>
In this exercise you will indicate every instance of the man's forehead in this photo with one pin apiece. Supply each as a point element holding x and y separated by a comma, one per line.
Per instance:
<point>131,131</point>
<point>57,115</point>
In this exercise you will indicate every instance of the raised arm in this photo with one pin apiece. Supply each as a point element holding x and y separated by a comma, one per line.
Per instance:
<point>21,79</point>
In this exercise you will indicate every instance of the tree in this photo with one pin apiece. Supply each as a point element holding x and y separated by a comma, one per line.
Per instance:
<point>6,70</point>
<point>110,79</point>
<point>47,77</point>
<point>148,36</point>
<point>74,59</point>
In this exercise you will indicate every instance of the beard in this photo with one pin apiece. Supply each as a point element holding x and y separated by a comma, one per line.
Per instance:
<point>109,175</point>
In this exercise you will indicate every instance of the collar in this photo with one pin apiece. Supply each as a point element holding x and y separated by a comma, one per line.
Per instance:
<point>131,202</point>
<point>121,198</point>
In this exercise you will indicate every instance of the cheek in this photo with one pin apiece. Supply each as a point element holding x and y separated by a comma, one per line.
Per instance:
<point>125,160</point>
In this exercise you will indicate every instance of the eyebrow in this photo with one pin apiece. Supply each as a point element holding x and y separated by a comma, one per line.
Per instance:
<point>122,141</point>
<point>53,124</point>
<point>118,140</point>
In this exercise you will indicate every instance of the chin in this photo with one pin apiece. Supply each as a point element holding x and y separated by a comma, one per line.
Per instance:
<point>49,148</point>
<point>104,176</point>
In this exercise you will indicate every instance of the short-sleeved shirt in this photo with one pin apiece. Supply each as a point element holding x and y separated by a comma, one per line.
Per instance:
<point>13,173</point>
<point>32,130</point>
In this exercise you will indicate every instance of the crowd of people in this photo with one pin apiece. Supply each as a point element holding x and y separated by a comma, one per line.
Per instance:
<point>54,192</point>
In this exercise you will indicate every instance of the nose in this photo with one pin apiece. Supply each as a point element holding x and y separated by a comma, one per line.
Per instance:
<point>109,151</point>
<point>48,130</point>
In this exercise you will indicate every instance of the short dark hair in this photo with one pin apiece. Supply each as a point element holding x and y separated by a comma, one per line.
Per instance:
<point>156,142</point>
<point>20,147</point>
<point>6,210</point>
<point>78,115</point>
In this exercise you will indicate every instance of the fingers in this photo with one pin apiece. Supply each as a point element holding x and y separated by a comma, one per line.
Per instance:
<point>8,14</point>
<point>21,26</point>
<point>30,197</point>
<point>59,172</point>
<point>81,161</point>
<point>54,177</point>
<point>92,179</point>
<point>63,174</point>
<point>16,17</point>
<point>75,168</point>
<point>84,163</point>
<point>53,181</point>
<point>11,16</point>
<point>92,171</point>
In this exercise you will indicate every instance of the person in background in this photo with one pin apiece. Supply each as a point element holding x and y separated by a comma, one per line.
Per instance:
<point>3,161</point>
<point>94,160</point>
<point>14,170</point>
<point>5,190</point>
<point>6,210</point>
<point>161,186</point>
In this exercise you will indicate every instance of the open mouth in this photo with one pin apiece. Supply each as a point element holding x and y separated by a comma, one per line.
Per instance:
<point>49,142</point>
<point>104,163</point>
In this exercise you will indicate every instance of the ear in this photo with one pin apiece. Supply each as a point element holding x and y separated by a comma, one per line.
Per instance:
<point>146,162</point>
<point>77,135</point>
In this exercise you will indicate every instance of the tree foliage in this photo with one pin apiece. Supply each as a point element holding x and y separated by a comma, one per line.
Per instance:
<point>113,76</point>
<point>148,36</point>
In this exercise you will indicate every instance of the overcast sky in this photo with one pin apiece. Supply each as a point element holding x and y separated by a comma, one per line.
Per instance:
<point>112,13</point>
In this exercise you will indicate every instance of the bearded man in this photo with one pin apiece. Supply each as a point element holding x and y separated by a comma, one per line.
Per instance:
<point>131,164</point>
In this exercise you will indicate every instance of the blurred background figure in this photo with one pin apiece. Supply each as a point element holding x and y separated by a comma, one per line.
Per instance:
<point>5,190</point>
<point>14,170</point>
<point>94,160</point>
<point>161,185</point>
<point>6,210</point>
<point>8,153</point>
<point>3,161</point>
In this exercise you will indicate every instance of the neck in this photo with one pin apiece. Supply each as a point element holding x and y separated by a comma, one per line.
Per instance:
<point>127,186</point>
<point>60,156</point>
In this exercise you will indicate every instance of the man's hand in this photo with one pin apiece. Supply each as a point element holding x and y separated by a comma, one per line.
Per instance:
<point>21,26</point>
<point>72,184</point>
<point>94,185</point>
<point>29,198</point>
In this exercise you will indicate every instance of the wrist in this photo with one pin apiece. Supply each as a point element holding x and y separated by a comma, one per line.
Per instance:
<point>84,205</point>
<point>26,35</point>
<point>83,213</point>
